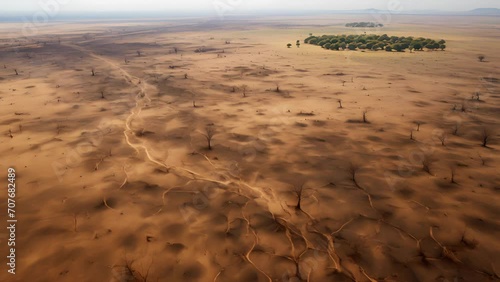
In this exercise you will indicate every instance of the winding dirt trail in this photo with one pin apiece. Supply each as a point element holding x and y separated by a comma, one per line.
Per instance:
<point>142,99</point>
<point>266,197</point>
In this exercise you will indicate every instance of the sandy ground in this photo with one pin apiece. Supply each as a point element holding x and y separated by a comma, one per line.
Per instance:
<point>115,181</point>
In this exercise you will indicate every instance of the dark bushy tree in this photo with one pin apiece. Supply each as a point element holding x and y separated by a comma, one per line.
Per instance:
<point>374,42</point>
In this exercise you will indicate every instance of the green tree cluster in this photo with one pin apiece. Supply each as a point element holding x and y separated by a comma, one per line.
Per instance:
<point>364,24</point>
<point>375,42</point>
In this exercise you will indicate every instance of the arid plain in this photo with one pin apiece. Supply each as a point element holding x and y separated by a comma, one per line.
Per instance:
<point>106,125</point>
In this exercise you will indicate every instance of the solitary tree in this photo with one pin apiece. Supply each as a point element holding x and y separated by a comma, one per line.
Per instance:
<point>209,134</point>
<point>278,90</point>
<point>442,137</point>
<point>481,58</point>
<point>15,70</point>
<point>289,45</point>
<point>299,191</point>
<point>139,53</point>
<point>244,87</point>
<point>453,170</point>
<point>365,120</point>
<point>485,136</point>
<point>93,72</point>
<point>340,103</point>
<point>298,44</point>
<point>426,164</point>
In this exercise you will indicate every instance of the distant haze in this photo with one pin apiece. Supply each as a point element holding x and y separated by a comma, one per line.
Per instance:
<point>27,6</point>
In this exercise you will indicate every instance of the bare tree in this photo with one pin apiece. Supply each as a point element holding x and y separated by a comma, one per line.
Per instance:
<point>10,134</point>
<point>185,76</point>
<point>93,72</point>
<point>486,137</point>
<point>299,191</point>
<point>139,53</point>
<point>442,137</point>
<point>278,90</point>
<point>244,87</point>
<point>411,134</point>
<point>102,94</point>
<point>456,128</point>
<point>209,134</point>
<point>453,171</point>
<point>418,123</point>
<point>464,107</point>
<point>340,103</point>
<point>426,164</point>
<point>15,70</point>
<point>175,50</point>
<point>365,120</point>
<point>353,170</point>
<point>481,58</point>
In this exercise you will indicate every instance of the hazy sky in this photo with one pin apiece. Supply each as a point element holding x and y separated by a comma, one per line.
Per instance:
<point>242,5</point>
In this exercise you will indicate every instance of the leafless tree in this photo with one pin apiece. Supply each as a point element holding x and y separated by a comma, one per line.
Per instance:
<point>139,53</point>
<point>353,170</point>
<point>464,107</point>
<point>209,134</point>
<point>418,123</point>
<point>442,137</point>
<point>483,160</point>
<point>15,70</point>
<point>175,50</point>
<point>244,87</point>
<point>102,94</point>
<point>10,134</point>
<point>340,103</point>
<point>278,90</point>
<point>411,134</point>
<point>93,72</point>
<point>453,171</point>
<point>426,164</point>
<point>299,191</point>
<point>185,76</point>
<point>486,137</point>
<point>481,58</point>
<point>365,120</point>
<point>456,128</point>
